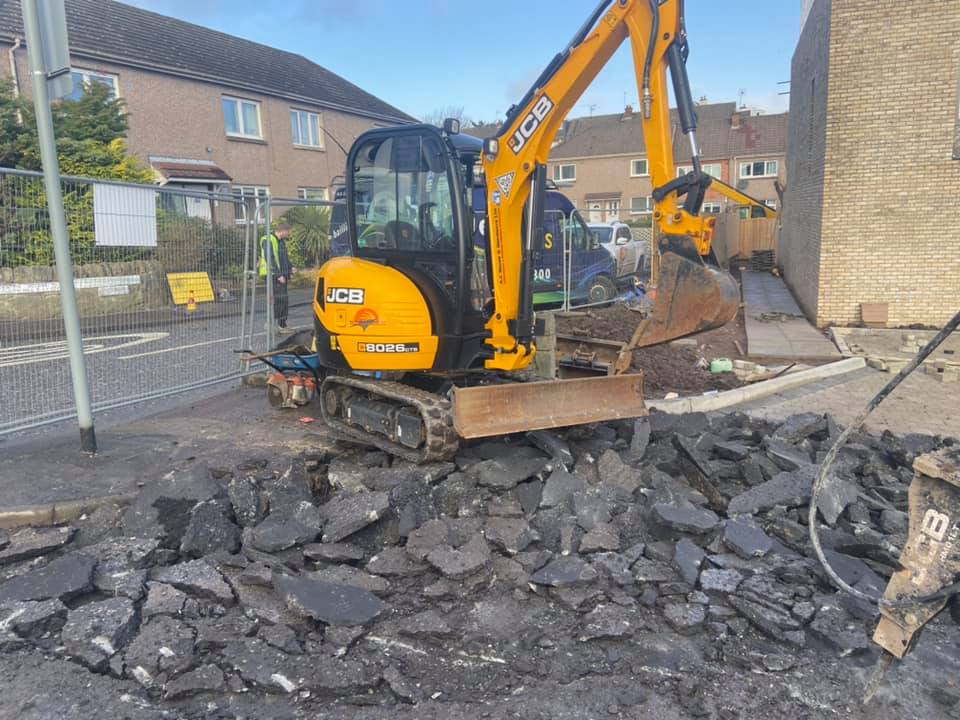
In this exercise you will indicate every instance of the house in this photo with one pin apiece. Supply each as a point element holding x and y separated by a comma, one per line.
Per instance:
<point>208,110</point>
<point>874,157</point>
<point>601,162</point>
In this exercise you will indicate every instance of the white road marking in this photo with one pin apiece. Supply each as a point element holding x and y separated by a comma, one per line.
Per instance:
<point>179,347</point>
<point>42,352</point>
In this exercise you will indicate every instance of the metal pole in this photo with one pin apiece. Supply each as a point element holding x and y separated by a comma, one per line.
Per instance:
<point>58,226</point>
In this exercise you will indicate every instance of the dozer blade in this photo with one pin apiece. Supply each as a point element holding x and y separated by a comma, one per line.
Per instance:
<point>691,297</point>
<point>518,407</point>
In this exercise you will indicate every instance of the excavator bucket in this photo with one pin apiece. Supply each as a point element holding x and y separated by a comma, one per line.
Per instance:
<point>691,298</point>
<point>488,410</point>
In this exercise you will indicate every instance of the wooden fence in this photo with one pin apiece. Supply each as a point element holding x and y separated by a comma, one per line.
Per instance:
<point>736,236</point>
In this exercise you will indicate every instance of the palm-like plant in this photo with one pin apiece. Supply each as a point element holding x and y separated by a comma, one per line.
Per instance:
<point>309,234</point>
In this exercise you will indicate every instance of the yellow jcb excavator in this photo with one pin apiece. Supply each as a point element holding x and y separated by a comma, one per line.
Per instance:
<point>414,357</point>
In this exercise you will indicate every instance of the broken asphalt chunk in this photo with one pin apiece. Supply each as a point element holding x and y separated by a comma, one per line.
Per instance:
<point>95,632</point>
<point>278,533</point>
<point>33,542</point>
<point>502,474</point>
<point>347,513</point>
<point>687,558</point>
<point>462,561</point>
<point>565,572</point>
<point>65,578</point>
<point>789,489</point>
<point>29,619</point>
<point>746,539</point>
<point>330,603</point>
<point>685,618</point>
<point>197,578</point>
<point>685,518</point>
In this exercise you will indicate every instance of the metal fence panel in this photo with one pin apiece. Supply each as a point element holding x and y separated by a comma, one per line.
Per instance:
<point>159,274</point>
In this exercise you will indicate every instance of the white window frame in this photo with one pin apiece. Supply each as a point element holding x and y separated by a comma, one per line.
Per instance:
<point>558,172</point>
<point>299,113</point>
<point>707,167</point>
<point>87,75</point>
<point>247,193</point>
<point>649,205</point>
<point>711,207</point>
<point>746,169</point>
<point>320,193</point>
<point>239,102</point>
<point>646,167</point>
<point>772,204</point>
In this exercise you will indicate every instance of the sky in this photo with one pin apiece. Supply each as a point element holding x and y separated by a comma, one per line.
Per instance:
<point>424,55</point>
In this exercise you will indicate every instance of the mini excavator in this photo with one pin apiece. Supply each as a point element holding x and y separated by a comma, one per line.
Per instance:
<point>422,340</point>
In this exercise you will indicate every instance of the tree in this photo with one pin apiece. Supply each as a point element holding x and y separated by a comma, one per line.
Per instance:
<point>442,113</point>
<point>309,234</point>
<point>91,135</point>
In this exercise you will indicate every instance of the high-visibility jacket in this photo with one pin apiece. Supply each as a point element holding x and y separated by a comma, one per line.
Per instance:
<point>278,256</point>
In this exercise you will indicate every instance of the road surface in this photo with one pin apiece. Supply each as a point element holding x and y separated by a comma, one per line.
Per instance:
<point>35,382</point>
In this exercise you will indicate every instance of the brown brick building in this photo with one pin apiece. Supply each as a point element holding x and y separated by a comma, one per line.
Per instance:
<point>600,162</point>
<point>874,156</point>
<point>206,109</point>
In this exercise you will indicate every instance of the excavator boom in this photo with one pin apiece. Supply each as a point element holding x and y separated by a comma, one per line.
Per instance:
<point>691,297</point>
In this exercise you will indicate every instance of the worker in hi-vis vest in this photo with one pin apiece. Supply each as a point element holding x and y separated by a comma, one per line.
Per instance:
<point>273,249</point>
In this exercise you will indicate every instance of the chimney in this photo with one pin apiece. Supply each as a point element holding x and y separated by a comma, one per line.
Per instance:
<point>628,112</point>
<point>737,116</point>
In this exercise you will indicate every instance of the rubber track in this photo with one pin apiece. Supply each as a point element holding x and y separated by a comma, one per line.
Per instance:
<point>436,413</point>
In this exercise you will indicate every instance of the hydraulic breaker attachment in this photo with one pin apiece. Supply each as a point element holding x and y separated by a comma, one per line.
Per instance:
<point>930,559</point>
<point>489,410</point>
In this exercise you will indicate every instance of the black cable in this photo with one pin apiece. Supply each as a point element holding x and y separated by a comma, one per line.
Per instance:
<point>831,456</point>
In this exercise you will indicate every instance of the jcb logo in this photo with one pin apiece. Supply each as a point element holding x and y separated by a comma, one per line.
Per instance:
<point>935,524</point>
<point>530,124</point>
<point>345,296</point>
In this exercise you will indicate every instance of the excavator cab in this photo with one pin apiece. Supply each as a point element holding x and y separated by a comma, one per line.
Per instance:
<point>403,301</point>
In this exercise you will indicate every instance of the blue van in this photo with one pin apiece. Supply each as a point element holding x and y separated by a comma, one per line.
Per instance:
<point>592,267</point>
<point>592,270</point>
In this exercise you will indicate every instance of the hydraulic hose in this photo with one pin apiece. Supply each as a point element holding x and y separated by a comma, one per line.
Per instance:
<point>647,98</point>
<point>828,462</point>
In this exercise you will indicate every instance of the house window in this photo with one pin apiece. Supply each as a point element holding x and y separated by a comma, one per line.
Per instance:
<point>639,168</point>
<point>312,193</point>
<point>564,173</point>
<point>759,169</point>
<point>711,208</point>
<point>251,197</point>
<point>83,78</point>
<point>772,204</point>
<point>711,169</point>
<point>305,127</point>
<point>241,118</point>
<point>641,205</point>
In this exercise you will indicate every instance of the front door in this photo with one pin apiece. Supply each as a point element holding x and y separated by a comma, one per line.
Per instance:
<point>596,212</point>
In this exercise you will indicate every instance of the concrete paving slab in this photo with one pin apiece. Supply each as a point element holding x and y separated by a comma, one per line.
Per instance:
<point>775,325</point>
<point>919,405</point>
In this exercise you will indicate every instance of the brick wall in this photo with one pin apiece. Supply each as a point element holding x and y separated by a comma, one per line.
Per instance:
<point>799,247</point>
<point>890,181</point>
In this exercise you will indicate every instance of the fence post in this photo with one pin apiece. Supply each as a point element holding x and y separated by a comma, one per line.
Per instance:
<point>58,226</point>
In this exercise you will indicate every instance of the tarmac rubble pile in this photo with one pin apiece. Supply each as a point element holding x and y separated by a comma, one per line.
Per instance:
<point>654,549</point>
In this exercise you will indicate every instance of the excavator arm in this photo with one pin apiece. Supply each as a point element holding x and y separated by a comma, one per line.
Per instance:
<point>515,160</point>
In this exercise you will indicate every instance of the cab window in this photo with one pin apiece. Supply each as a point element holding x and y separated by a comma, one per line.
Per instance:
<point>407,204</point>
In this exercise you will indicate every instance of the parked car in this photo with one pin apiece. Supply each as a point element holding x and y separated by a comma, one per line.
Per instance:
<point>628,252</point>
